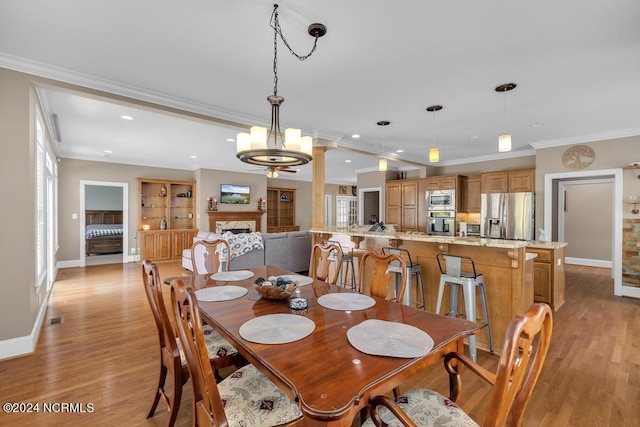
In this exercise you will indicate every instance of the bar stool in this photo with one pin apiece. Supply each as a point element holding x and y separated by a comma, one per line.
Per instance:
<point>346,267</point>
<point>452,274</point>
<point>412,269</point>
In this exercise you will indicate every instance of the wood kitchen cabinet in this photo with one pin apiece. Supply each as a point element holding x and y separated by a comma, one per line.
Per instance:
<point>548,276</point>
<point>445,182</point>
<point>513,181</point>
<point>471,193</point>
<point>402,201</point>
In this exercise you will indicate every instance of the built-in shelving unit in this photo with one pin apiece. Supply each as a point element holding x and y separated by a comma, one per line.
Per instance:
<point>166,218</point>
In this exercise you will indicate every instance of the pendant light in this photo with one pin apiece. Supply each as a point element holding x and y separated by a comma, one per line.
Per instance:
<point>434,152</point>
<point>270,147</point>
<point>504,141</point>
<point>382,163</point>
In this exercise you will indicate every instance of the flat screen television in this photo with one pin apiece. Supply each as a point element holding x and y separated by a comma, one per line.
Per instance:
<point>235,194</point>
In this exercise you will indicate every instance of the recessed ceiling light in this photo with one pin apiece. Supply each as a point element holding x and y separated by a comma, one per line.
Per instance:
<point>230,140</point>
<point>108,151</point>
<point>399,151</point>
<point>347,161</point>
<point>536,125</point>
<point>125,117</point>
<point>474,137</point>
<point>194,157</point>
<point>355,136</point>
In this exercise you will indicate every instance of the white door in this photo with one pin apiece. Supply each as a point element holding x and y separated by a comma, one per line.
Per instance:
<point>346,211</point>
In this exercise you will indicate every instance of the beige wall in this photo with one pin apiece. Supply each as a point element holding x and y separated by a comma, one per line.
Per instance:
<point>71,172</point>
<point>610,154</point>
<point>19,301</point>
<point>488,166</point>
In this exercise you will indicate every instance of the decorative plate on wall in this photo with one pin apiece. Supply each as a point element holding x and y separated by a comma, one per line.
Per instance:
<point>342,189</point>
<point>578,157</point>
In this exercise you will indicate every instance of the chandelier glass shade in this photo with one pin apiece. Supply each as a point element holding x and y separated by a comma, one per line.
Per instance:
<point>270,147</point>
<point>382,165</point>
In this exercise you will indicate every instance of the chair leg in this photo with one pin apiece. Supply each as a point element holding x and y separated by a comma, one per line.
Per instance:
<point>454,290</point>
<point>485,314</point>
<point>440,295</point>
<point>421,291</point>
<point>161,380</point>
<point>174,404</point>
<point>470,309</point>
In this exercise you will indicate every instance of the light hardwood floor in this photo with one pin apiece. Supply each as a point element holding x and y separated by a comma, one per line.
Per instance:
<point>105,353</point>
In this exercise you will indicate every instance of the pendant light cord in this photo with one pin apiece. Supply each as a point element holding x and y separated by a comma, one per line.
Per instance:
<point>277,31</point>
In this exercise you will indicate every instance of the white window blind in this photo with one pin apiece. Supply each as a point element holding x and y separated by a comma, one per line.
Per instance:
<point>41,238</point>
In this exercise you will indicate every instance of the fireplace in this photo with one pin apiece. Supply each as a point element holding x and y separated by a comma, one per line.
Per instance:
<point>220,221</point>
<point>237,230</point>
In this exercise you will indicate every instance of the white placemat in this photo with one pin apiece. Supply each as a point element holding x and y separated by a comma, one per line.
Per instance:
<point>382,338</point>
<point>220,293</point>
<point>230,276</point>
<point>302,280</point>
<point>277,328</point>
<point>346,301</point>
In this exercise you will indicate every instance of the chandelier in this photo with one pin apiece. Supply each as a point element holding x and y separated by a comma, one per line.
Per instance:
<point>270,147</point>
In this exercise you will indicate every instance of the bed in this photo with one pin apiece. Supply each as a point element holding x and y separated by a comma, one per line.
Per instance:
<point>103,232</point>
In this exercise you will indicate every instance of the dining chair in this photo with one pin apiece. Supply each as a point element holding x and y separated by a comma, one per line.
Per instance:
<point>210,256</point>
<point>383,268</point>
<point>172,361</point>
<point>244,398</point>
<point>323,255</point>
<point>523,355</point>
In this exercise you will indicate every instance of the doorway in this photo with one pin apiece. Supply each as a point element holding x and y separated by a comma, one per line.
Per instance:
<point>121,188</point>
<point>369,204</point>
<point>551,183</point>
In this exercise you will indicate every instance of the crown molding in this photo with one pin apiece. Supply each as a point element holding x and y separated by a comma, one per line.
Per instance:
<point>624,133</point>
<point>91,82</point>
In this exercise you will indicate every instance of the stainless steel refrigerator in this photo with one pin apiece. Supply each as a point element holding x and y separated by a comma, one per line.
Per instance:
<point>508,216</point>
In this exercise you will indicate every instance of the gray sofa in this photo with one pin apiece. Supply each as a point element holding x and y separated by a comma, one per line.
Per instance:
<point>290,251</point>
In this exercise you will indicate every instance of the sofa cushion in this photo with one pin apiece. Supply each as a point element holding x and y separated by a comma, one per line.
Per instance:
<point>243,242</point>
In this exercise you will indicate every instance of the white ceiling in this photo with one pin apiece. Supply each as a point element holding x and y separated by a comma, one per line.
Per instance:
<point>576,64</point>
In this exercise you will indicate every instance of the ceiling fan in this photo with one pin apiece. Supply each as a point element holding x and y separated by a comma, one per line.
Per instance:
<point>274,171</point>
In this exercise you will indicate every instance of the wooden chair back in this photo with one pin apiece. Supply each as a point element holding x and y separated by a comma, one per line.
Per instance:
<point>209,256</point>
<point>524,352</point>
<point>153,289</point>
<point>380,281</point>
<point>323,255</point>
<point>209,409</point>
<point>170,361</point>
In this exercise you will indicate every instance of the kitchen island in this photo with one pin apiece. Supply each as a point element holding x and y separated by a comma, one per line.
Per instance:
<point>507,265</point>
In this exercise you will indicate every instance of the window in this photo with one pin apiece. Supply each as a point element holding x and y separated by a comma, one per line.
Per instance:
<point>41,261</point>
<point>346,211</point>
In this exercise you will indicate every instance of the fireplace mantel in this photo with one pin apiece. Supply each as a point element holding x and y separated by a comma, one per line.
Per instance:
<point>234,216</point>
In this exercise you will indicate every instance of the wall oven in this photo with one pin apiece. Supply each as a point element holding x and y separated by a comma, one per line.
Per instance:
<point>441,223</point>
<point>441,200</point>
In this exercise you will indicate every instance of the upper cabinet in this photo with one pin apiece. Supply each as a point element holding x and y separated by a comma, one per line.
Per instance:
<point>471,193</point>
<point>445,182</point>
<point>513,181</point>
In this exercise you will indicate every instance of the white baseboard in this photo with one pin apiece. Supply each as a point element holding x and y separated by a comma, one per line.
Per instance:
<point>25,345</point>
<point>589,262</point>
<point>68,264</point>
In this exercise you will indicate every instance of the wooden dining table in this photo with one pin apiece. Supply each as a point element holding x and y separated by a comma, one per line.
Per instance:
<point>327,376</point>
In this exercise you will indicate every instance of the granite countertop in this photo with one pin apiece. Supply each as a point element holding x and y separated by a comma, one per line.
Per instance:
<point>363,231</point>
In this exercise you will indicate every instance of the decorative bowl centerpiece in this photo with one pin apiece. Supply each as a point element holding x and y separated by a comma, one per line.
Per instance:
<point>275,287</point>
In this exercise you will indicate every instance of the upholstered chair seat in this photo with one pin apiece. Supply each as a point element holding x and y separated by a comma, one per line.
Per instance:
<point>217,347</point>
<point>425,408</point>
<point>251,399</point>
